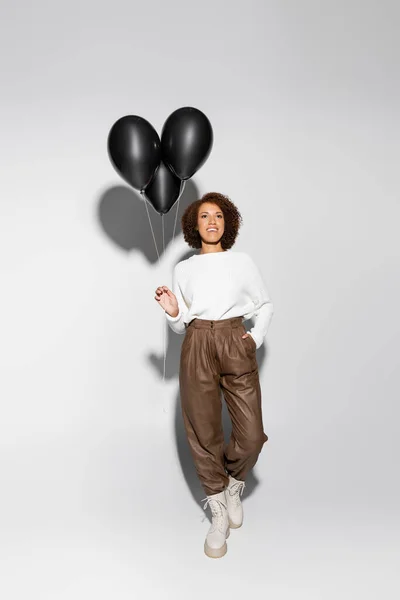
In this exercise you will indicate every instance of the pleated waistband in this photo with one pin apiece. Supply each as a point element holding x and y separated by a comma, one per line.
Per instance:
<point>219,323</point>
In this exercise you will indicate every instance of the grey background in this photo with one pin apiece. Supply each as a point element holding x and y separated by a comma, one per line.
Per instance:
<point>98,495</point>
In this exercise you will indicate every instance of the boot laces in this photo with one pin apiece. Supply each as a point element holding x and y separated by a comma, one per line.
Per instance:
<point>216,509</point>
<point>236,490</point>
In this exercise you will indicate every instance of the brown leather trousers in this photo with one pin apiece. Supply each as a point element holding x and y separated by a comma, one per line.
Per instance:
<point>215,357</point>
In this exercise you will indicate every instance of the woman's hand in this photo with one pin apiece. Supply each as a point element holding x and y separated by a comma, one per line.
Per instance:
<point>245,335</point>
<point>167,300</point>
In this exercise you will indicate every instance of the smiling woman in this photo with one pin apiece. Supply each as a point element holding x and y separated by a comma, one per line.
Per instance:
<point>215,211</point>
<point>213,292</point>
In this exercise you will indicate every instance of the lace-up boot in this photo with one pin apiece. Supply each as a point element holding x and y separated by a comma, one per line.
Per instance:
<point>215,542</point>
<point>235,510</point>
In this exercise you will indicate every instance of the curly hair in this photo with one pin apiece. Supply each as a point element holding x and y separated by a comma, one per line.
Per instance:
<point>232,218</point>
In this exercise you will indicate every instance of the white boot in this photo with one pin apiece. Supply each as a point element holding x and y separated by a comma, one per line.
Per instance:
<point>215,543</point>
<point>235,510</point>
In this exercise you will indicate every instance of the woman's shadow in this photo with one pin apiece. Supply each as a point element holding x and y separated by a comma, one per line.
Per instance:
<point>123,218</point>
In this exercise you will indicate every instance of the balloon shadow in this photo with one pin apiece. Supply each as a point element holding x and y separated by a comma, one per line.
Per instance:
<point>123,217</point>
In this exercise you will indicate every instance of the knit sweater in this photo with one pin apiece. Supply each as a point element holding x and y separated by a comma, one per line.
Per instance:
<point>221,285</point>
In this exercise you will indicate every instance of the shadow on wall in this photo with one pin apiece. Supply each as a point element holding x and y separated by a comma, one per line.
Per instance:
<point>124,220</point>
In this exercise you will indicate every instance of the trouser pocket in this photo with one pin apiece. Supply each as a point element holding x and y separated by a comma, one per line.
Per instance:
<point>248,341</point>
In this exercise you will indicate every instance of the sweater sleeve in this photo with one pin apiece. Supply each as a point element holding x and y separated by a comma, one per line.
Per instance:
<point>264,308</point>
<point>177,323</point>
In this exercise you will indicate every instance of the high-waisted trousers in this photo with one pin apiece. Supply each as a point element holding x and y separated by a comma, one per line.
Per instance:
<point>215,357</point>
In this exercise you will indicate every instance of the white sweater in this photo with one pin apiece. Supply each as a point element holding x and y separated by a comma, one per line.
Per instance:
<point>221,285</point>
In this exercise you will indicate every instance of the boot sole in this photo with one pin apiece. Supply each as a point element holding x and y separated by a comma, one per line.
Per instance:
<point>216,552</point>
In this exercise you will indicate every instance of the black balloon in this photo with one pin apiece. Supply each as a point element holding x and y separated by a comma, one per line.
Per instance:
<point>186,141</point>
<point>164,189</point>
<point>134,149</point>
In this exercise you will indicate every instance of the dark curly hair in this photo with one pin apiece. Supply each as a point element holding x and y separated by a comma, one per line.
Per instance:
<point>232,218</point>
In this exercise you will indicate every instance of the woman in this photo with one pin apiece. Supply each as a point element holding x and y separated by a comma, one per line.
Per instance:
<point>214,291</point>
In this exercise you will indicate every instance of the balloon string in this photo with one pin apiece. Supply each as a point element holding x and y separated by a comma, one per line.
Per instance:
<point>165,320</point>
<point>148,216</point>
<point>165,327</point>
<point>158,256</point>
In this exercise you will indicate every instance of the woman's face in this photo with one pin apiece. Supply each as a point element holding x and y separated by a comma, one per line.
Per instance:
<point>210,223</point>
